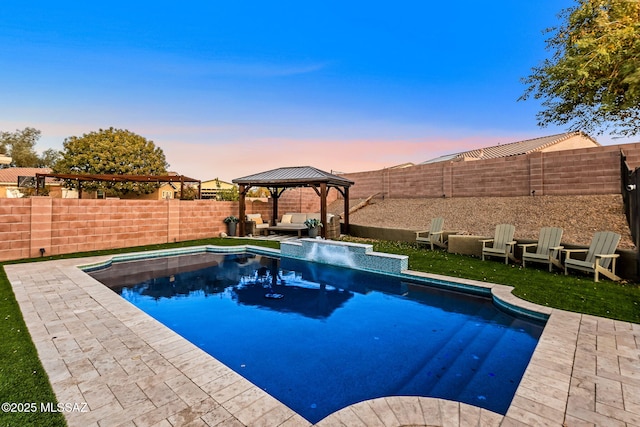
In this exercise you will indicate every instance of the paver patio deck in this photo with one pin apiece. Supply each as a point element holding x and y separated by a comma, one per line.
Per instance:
<point>131,370</point>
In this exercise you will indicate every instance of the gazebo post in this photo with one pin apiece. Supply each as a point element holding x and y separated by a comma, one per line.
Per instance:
<point>346,210</point>
<point>274,212</point>
<point>323,209</point>
<point>241,209</point>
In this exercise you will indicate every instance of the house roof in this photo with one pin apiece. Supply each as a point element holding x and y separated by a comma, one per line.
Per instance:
<point>10,175</point>
<point>297,176</point>
<point>512,149</point>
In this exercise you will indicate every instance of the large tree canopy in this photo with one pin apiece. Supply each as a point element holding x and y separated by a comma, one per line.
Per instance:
<point>112,151</point>
<point>592,81</point>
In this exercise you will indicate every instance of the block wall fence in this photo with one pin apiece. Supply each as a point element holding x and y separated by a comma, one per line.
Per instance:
<point>570,172</point>
<point>62,226</point>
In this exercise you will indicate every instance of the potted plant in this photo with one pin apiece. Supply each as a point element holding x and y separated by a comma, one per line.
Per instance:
<point>313,224</point>
<point>231,222</point>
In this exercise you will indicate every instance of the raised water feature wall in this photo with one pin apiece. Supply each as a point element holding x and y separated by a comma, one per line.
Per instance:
<point>346,254</point>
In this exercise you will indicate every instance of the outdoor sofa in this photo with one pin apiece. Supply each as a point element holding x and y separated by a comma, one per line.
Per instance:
<point>291,222</point>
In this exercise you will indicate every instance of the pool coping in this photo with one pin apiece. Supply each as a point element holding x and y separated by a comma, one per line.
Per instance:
<point>99,349</point>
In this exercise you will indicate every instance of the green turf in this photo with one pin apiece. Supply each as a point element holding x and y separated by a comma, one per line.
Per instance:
<point>576,292</point>
<point>23,380</point>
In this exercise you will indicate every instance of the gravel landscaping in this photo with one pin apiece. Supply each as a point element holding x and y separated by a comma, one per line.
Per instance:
<point>579,216</point>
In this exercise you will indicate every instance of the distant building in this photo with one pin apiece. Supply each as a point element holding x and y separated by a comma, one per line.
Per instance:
<point>4,159</point>
<point>20,182</point>
<point>212,187</point>
<point>563,141</point>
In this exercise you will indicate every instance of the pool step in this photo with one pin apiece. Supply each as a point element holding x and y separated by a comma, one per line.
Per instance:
<point>457,362</point>
<point>435,364</point>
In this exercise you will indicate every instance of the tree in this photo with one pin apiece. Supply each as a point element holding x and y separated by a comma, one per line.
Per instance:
<point>19,145</point>
<point>592,81</point>
<point>49,158</point>
<point>230,194</point>
<point>115,152</point>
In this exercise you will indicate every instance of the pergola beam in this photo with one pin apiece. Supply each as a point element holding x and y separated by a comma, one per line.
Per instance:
<point>120,178</point>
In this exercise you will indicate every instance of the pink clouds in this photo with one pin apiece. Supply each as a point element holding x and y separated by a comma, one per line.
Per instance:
<point>233,160</point>
<point>228,151</point>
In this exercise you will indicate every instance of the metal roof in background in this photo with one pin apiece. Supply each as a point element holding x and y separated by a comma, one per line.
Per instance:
<point>10,175</point>
<point>293,176</point>
<point>510,149</point>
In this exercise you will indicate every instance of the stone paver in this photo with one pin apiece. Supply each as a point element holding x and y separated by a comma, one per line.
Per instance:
<point>131,370</point>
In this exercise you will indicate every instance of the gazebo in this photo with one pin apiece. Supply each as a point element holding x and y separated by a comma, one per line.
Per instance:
<point>278,180</point>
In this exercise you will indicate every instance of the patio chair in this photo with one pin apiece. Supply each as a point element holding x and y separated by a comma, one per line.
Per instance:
<point>547,249</point>
<point>600,258</point>
<point>434,235</point>
<point>502,243</point>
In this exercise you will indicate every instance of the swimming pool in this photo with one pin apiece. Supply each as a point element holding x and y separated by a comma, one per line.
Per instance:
<point>336,336</point>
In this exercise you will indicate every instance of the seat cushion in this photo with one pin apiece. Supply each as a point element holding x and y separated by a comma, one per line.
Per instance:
<point>298,218</point>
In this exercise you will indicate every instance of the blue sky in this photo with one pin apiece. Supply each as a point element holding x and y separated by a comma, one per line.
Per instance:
<point>228,89</point>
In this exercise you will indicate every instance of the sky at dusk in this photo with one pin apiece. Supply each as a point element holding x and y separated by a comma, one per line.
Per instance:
<point>228,89</point>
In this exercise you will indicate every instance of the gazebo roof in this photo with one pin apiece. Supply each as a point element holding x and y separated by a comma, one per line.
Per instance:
<point>297,176</point>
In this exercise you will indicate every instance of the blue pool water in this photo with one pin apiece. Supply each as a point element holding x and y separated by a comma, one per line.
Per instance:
<point>328,337</point>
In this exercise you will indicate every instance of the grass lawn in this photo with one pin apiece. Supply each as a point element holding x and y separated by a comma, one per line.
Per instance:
<point>576,292</point>
<point>23,380</point>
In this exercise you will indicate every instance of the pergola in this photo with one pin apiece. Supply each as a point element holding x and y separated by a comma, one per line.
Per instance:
<point>278,180</point>
<point>117,178</point>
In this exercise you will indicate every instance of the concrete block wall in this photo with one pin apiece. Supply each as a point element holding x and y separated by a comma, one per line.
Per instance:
<point>579,171</point>
<point>61,226</point>
<point>88,225</point>
<point>204,218</point>
<point>632,151</point>
<point>592,171</point>
<point>15,228</point>
<point>507,176</point>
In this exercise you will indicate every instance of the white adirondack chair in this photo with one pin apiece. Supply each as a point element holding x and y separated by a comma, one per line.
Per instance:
<point>434,235</point>
<point>601,256</point>
<point>502,244</point>
<point>547,250</point>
